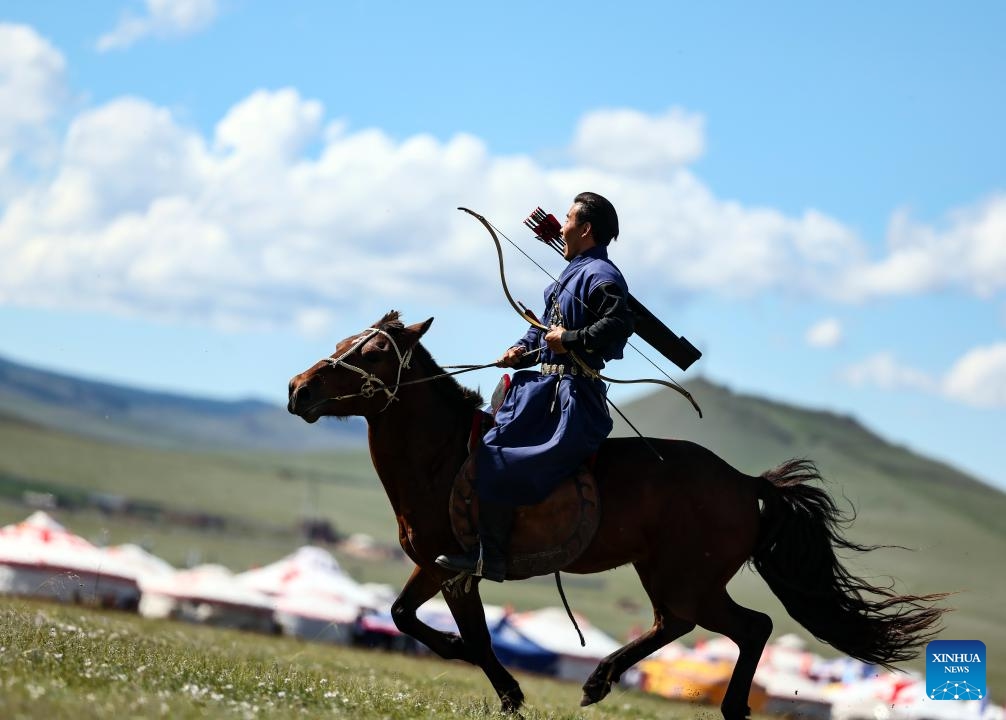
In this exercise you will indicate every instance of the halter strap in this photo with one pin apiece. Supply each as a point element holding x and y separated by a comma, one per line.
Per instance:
<point>372,383</point>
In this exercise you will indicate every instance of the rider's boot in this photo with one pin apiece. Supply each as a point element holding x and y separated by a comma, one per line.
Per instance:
<point>488,560</point>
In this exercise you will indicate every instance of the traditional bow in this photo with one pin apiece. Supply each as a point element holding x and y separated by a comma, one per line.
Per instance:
<point>527,315</point>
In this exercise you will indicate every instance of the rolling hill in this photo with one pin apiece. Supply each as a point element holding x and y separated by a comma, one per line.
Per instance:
<point>755,434</point>
<point>139,417</point>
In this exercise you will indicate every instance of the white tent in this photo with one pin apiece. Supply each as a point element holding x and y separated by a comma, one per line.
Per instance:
<point>207,594</point>
<point>314,598</point>
<point>307,561</point>
<point>315,617</point>
<point>138,561</point>
<point>310,571</point>
<point>551,630</point>
<point>41,558</point>
<point>902,696</point>
<point>717,647</point>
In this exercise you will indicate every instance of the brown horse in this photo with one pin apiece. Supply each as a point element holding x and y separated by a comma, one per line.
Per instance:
<point>686,524</point>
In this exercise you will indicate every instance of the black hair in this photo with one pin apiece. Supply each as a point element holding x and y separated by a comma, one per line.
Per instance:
<point>600,213</point>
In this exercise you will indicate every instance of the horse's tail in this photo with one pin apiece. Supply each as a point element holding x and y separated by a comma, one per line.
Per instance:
<point>800,532</point>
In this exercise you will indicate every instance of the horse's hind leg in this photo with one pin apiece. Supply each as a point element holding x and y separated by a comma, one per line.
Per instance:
<point>750,630</point>
<point>609,670</point>
<point>666,628</point>
<point>470,616</point>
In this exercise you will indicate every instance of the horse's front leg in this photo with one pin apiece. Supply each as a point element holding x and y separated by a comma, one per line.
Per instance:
<point>470,616</point>
<point>420,587</point>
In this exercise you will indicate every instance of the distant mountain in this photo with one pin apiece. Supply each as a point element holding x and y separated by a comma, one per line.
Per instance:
<point>128,415</point>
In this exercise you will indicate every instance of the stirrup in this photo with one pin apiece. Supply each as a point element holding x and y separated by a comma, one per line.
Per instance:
<point>463,563</point>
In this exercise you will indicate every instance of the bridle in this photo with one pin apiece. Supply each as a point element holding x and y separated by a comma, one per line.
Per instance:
<point>371,383</point>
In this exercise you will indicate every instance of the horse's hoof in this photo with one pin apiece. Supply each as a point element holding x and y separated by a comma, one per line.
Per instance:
<point>594,694</point>
<point>456,649</point>
<point>743,713</point>
<point>512,700</point>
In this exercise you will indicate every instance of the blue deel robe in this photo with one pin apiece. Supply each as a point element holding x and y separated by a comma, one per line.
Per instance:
<point>549,424</point>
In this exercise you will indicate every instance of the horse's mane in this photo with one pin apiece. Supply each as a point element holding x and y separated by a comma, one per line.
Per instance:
<point>451,390</point>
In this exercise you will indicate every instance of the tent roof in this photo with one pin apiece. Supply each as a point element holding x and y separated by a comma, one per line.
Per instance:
<point>140,560</point>
<point>551,629</point>
<point>306,561</point>
<point>41,542</point>
<point>208,583</point>
<point>41,528</point>
<point>310,571</point>
<point>318,608</point>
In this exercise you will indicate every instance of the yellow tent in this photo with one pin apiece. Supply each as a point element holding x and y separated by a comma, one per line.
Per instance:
<point>694,680</point>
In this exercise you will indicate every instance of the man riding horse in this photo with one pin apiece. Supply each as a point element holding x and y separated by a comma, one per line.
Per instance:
<point>552,420</point>
<point>682,517</point>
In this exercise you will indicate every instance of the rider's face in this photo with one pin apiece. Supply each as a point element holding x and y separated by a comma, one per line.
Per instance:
<point>576,236</point>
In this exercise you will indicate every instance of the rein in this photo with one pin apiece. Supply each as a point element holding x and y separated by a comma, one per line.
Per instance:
<point>371,382</point>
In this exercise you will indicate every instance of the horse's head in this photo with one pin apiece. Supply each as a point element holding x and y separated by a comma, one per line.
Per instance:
<point>361,377</point>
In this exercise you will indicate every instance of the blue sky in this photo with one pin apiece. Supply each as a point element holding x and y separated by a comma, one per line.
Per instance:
<point>204,195</point>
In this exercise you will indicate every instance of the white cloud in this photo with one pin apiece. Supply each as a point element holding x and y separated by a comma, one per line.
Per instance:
<point>314,322</point>
<point>281,211</point>
<point>146,217</point>
<point>624,140</point>
<point>270,126</point>
<point>885,372</point>
<point>31,78</point>
<point>124,155</point>
<point>968,253</point>
<point>32,92</point>
<point>979,377</point>
<point>163,18</point>
<point>826,333</point>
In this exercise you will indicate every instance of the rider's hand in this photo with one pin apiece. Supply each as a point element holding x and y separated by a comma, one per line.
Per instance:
<point>554,339</point>
<point>511,357</point>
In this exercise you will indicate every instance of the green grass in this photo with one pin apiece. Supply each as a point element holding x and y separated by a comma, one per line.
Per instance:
<point>66,662</point>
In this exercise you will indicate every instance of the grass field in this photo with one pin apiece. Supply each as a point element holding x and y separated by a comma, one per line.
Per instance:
<point>64,662</point>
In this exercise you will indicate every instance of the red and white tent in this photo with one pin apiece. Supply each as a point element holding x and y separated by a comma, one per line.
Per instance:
<point>140,562</point>
<point>41,558</point>
<point>314,597</point>
<point>206,594</point>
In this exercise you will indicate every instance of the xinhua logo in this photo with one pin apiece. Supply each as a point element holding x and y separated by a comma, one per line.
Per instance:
<point>955,670</point>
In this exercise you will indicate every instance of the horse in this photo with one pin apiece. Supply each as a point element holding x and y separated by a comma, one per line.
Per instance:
<point>686,523</point>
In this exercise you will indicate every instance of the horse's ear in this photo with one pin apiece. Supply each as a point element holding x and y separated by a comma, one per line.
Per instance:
<point>414,332</point>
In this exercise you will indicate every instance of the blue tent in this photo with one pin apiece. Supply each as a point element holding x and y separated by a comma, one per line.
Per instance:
<point>516,651</point>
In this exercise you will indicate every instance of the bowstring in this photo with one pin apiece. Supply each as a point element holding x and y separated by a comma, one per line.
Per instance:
<point>569,292</point>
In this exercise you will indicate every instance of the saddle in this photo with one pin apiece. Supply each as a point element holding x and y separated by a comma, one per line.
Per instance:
<point>546,537</point>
